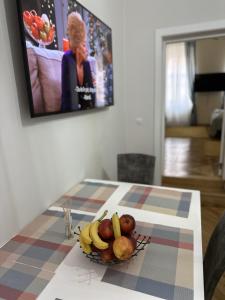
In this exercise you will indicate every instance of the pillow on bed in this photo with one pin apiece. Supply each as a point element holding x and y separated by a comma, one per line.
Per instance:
<point>216,123</point>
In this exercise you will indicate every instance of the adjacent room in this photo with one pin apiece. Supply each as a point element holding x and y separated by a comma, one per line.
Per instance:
<point>195,82</point>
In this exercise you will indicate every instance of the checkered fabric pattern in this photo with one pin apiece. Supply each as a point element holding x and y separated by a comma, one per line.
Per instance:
<point>164,269</point>
<point>22,282</point>
<point>28,261</point>
<point>158,200</point>
<point>87,196</point>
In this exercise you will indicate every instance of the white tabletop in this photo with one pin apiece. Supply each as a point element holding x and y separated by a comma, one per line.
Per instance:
<point>77,278</point>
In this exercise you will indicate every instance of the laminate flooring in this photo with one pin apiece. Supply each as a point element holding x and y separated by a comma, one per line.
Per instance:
<point>191,157</point>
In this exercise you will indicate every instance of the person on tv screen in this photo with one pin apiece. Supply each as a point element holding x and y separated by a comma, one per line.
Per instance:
<point>78,91</point>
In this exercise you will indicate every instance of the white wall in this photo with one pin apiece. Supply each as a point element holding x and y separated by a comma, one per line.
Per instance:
<point>141,21</point>
<point>42,158</point>
<point>210,55</point>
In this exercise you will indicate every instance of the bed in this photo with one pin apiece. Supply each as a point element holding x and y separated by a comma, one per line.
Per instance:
<point>216,123</point>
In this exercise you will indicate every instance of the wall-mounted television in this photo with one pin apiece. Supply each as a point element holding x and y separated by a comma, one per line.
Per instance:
<point>67,57</point>
<point>210,82</point>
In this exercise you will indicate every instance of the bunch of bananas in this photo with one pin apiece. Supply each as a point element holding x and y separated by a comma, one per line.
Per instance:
<point>89,234</point>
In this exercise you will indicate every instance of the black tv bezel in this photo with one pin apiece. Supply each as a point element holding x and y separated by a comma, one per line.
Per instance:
<point>27,72</point>
<point>209,82</point>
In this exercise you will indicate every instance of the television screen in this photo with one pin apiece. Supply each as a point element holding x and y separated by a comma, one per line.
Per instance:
<point>211,82</point>
<point>68,57</point>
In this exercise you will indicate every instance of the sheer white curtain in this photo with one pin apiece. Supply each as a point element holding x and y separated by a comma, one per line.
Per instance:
<point>178,99</point>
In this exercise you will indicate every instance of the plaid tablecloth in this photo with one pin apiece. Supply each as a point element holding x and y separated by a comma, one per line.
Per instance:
<point>22,282</point>
<point>164,269</point>
<point>87,196</point>
<point>158,200</point>
<point>28,261</point>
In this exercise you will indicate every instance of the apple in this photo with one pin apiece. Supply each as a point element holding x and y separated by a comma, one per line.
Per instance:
<point>108,255</point>
<point>133,241</point>
<point>94,249</point>
<point>127,224</point>
<point>105,229</point>
<point>123,248</point>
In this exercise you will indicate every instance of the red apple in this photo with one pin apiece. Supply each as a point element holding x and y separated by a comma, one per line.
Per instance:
<point>133,241</point>
<point>105,229</point>
<point>127,224</point>
<point>123,248</point>
<point>95,249</point>
<point>108,255</point>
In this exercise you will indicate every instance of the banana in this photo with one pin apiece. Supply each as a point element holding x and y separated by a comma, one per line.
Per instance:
<point>85,247</point>
<point>97,241</point>
<point>116,225</point>
<point>85,234</point>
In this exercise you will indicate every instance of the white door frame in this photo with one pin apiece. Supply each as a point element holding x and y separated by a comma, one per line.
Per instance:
<point>163,36</point>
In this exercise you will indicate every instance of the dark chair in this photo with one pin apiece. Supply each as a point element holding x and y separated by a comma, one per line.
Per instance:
<point>135,168</point>
<point>214,260</point>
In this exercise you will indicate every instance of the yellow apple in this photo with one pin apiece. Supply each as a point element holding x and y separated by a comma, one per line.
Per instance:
<point>123,248</point>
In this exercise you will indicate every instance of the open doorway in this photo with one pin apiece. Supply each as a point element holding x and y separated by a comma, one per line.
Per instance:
<point>194,100</point>
<point>213,29</point>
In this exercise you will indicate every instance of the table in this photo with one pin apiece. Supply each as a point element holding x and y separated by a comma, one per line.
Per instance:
<point>173,217</point>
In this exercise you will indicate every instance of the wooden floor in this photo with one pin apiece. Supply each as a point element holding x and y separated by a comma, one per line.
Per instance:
<point>191,161</point>
<point>191,157</point>
<point>191,131</point>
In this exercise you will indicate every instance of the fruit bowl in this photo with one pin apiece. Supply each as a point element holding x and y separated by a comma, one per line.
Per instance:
<point>142,241</point>
<point>39,28</point>
<point>111,241</point>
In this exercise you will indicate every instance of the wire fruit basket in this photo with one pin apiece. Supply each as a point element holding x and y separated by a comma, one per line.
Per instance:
<point>142,242</point>
<point>111,241</point>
